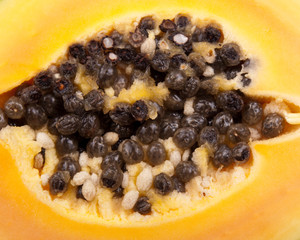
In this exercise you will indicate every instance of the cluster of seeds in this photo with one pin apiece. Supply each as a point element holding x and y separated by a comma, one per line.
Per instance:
<point>194,114</point>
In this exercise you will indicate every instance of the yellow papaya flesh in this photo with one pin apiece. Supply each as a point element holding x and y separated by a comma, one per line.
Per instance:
<point>246,210</point>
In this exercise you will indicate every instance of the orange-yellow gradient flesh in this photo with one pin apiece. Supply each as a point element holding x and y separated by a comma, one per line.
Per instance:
<point>266,206</point>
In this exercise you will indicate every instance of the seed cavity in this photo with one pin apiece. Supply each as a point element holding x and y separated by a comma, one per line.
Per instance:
<point>131,120</point>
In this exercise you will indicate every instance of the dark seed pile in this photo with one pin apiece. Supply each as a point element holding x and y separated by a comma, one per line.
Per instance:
<point>220,120</point>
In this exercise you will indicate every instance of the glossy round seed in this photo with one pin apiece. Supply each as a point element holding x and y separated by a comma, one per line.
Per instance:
<point>163,184</point>
<point>3,119</point>
<point>52,105</point>
<point>142,206</point>
<point>185,137</point>
<point>241,152</point>
<point>230,101</point>
<point>139,110</point>
<point>132,152</point>
<point>96,147</point>
<point>168,127</point>
<point>212,34</point>
<point>68,70</point>
<point>238,133</point>
<point>197,62</point>
<point>116,37</point>
<point>58,183</point>
<point>126,55</point>
<point>222,121</point>
<point>93,49</point>
<point>182,22</point>
<point>223,156</point>
<point>136,38</point>
<point>66,144</point>
<point>175,80</point>
<point>94,100</point>
<point>77,51</point>
<point>68,164</point>
<point>73,104</point>
<point>146,23</point>
<point>209,135</point>
<point>156,153</point>
<point>195,120</point>
<point>106,76</point>
<point>230,54</point>
<point>186,171</point>
<point>111,177</point>
<point>160,62</point>
<point>62,87</point>
<point>114,157</point>
<point>273,125</point>
<point>14,108</point>
<point>167,25</point>
<point>68,124</point>
<point>44,80</point>
<point>178,115</point>
<point>51,126</point>
<point>31,94</point>
<point>92,66</point>
<point>148,132</point>
<point>178,185</point>
<point>252,113</point>
<point>89,125</point>
<point>177,60</point>
<point>35,116</point>
<point>191,87</point>
<point>121,82</point>
<point>121,114</point>
<point>174,101</point>
<point>206,106</point>
<point>141,62</point>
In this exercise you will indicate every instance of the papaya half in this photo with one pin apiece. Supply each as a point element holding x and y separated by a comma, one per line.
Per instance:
<point>265,205</point>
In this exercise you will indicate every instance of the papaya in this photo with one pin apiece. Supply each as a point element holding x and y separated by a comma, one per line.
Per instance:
<point>263,202</point>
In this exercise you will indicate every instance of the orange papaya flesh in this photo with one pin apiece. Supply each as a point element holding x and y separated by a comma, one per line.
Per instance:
<point>271,214</point>
<point>265,206</point>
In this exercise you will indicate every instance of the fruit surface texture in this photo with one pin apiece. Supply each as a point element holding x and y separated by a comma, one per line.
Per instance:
<point>266,205</point>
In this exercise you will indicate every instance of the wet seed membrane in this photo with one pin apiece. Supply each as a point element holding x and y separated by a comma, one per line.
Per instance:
<point>217,120</point>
